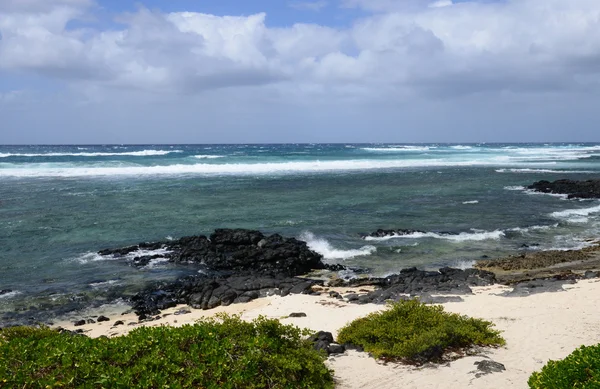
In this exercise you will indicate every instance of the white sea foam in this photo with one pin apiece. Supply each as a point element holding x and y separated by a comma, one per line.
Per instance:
<point>569,213</point>
<point>69,170</point>
<point>143,253</point>
<point>536,193</point>
<point>463,264</point>
<point>397,149</point>
<point>142,153</point>
<point>208,156</point>
<point>471,202</point>
<point>10,294</point>
<point>461,147</point>
<point>156,262</point>
<point>323,247</point>
<point>94,257</point>
<point>533,228</point>
<point>514,188</point>
<point>475,235</point>
<point>541,171</point>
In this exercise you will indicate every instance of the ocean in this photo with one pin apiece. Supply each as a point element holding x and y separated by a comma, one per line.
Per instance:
<point>60,205</point>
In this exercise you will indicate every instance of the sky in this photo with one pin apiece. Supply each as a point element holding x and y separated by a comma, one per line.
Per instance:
<point>277,71</point>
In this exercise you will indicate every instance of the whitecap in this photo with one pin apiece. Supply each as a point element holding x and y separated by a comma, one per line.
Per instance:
<point>528,170</point>
<point>323,247</point>
<point>514,188</point>
<point>396,149</point>
<point>533,228</point>
<point>142,153</point>
<point>56,170</point>
<point>568,213</point>
<point>93,257</point>
<point>10,294</point>
<point>471,202</point>
<point>476,235</point>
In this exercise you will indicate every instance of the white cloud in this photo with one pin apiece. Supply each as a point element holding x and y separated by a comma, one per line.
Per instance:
<point>426,49</point>
<point>441,3</point>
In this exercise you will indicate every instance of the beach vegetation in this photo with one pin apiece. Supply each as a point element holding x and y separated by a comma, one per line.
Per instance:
<point>412,332</point>
<point>581,369</point>
<point>226,352</point>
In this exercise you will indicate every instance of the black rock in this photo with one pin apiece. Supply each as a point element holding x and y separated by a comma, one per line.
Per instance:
<point>323,336</point>
<point>102,318</point>
<point>589,189</point>
<point>235,250</point>
<point>335,348</point>
<point>351,297</point>
<point>204,292</point>
<point>297,314</point>
<point>5,291</point>
<point>118,323</point>
<point>90,321</point>
<point>79,323</point>
<point>488,367</point>
<point>381,233</point>
<point>415,282</point>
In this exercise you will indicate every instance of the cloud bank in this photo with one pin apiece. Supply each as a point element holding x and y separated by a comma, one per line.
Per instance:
<point>397,54</point>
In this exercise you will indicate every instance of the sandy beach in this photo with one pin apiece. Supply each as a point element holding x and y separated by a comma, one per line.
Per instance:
<point>537,328</point>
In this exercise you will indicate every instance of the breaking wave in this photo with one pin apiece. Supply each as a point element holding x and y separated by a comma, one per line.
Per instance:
<point>580,212</point>
<point>323,247</point>
<point>69,170</point>
<point>142,153</point>
<point>475,235</point>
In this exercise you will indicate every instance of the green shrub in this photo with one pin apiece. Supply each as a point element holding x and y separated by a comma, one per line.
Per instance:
<point>413,332</point>
<point>581,369</point>
<point>223,353</point>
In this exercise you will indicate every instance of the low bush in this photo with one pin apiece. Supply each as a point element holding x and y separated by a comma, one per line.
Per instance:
<point>216,353</point>
<point>581,369</point>
<point>413,332</point>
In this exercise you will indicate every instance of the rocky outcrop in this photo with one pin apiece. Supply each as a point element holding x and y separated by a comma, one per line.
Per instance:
<point>589,189</point>
<point>415,282</point>
<point>381,233</point>
<point>202,292</point>
<point>231,250</point>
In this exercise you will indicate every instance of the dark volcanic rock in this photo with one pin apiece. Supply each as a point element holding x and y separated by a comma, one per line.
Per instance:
<point>589,189</point>
<point>297,314</point>
<point>234,250</point>
<point>381,233</point>
<point>323,340</point>
<point>415,282</point>
<point>205,292</point>
<point>5,291</point>
<point>102,318</point>
<point>79,323</point>
<point>488,367</point>
<point>528,288</point>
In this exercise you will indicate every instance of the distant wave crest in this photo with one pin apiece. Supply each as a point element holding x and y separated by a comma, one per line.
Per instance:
<point>142,153</point>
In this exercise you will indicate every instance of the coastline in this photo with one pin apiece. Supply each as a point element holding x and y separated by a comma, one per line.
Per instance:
<point>537,328</point>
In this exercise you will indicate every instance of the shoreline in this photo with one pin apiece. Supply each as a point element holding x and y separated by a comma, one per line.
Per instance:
<point>536,327</point>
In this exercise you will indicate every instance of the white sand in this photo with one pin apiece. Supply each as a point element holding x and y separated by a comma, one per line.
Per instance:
<point>536,328</point>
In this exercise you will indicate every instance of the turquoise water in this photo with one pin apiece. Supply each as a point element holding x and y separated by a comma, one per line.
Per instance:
<point>61,204</point>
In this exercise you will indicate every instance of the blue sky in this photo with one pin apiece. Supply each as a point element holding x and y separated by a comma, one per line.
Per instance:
<point>108,71</point>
